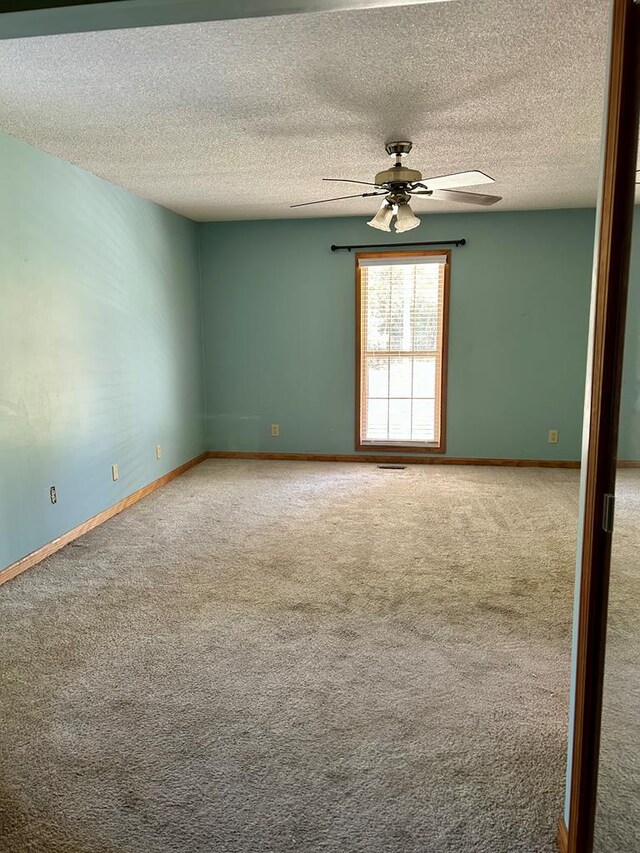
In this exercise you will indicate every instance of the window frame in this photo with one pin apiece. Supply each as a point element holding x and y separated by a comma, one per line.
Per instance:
<point>441,380</point>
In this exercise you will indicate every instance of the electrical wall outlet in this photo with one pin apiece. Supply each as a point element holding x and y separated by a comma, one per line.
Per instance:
<point>114,472</point>
<point>158,451</point>
<point>52,495</point>
<point>275,430</point>
<point>554,436</point>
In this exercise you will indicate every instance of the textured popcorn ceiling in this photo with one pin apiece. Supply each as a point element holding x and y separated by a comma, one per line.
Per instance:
<point>239,119</point>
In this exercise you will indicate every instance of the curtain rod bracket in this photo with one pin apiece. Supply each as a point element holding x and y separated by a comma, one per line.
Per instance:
<point>461,242</point>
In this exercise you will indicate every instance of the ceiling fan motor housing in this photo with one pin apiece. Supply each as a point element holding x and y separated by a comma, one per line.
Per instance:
<point>398,175</point>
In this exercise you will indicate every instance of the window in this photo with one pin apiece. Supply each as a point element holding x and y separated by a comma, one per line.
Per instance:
<point>401,315</point>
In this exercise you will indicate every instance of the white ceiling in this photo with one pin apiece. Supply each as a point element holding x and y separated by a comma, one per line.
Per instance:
<point>239,119</point>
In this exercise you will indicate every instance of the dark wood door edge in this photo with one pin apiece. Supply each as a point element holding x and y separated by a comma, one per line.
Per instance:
<point>611,273</point>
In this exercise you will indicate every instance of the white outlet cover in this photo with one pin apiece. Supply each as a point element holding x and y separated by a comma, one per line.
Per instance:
<point>158,451</point>
<point>114,472</point>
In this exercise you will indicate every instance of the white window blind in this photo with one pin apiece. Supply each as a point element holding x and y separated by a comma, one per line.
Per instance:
<point>401,349</point>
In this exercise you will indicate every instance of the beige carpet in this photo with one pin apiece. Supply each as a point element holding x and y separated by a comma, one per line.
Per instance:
<point>278,657</point>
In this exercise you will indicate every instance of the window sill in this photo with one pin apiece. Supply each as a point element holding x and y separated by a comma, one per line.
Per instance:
<point>402,448</point>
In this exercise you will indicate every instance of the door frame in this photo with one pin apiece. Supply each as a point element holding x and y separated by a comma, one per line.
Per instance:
<point>602,405</point>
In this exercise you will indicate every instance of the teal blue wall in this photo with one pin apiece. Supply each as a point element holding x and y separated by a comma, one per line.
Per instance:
<point>278,310</point>
<point>100,346</point>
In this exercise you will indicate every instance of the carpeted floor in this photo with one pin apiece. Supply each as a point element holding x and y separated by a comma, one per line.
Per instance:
<point>273,657</point>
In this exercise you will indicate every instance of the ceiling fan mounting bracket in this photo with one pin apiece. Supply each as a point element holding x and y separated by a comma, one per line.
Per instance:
<point>398,149</point>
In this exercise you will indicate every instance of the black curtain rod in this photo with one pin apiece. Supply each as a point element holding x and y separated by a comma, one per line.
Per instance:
<point>462,242</point>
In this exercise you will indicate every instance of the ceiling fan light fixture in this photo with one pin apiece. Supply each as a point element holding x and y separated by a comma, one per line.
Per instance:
<point>382,219</point>
<point>405,218</point>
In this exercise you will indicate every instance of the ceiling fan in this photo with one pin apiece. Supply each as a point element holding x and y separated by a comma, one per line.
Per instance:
<point>399,184</point>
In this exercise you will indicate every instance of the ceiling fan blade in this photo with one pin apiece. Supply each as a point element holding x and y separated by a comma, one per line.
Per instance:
<point>349,181</point>
<point>459,179</point>
<point>339,198</point>
<point>466,198</point>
